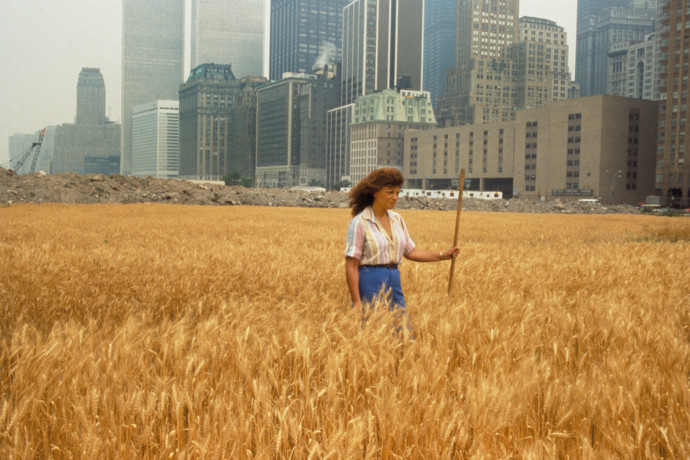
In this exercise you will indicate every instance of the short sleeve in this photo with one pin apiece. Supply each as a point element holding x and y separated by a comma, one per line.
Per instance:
<point>354,241</point>
<point>407,244</point>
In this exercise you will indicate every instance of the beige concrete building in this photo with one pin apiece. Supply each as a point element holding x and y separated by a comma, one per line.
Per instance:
<point>433,158</point>
<point>541,63</point>
<point>634,69</point>
<point>503,64</point>
<point>596,147</point>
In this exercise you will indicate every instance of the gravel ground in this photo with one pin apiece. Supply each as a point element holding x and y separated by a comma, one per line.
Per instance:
<point>97,188</point>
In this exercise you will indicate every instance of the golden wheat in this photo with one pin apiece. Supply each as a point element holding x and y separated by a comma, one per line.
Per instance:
<point>149,331</point>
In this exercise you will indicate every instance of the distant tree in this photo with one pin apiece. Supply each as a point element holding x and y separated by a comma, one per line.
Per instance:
<point>247,182</point>
<point>315,183</point>
<point>234,177</point>
<point>339,185</point>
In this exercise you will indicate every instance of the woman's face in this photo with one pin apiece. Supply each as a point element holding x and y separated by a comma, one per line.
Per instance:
<point>386,198</point>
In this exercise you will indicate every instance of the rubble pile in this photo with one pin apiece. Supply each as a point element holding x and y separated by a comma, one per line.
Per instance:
<point>97,188</point>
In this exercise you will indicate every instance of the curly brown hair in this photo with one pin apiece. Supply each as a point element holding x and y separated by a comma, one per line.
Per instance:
<point>362,194</point>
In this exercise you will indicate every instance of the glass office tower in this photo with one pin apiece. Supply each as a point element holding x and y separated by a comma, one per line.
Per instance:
<point>228,32</point>
<point>152,59</point>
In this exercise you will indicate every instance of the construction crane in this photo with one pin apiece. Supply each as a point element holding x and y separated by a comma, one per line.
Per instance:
<point>35,148</point>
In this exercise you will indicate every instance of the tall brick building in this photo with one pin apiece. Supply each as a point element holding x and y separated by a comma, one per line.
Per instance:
<point>672,169</point>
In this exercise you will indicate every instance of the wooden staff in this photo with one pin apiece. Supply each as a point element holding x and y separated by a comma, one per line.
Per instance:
<point>457,228</point>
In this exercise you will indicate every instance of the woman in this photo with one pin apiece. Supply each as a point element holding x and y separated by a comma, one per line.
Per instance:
<point>377,240</point>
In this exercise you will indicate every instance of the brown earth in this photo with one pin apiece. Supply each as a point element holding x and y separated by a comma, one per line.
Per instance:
<point>97,188</point>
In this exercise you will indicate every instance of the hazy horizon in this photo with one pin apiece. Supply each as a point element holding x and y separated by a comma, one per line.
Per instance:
<point>44,45</point>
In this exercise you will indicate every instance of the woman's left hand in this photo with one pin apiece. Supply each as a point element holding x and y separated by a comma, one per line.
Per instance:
<point>430,255</point>
<point>450,253</point>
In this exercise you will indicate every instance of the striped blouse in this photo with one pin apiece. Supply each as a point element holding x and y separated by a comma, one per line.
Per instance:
<point>369,242</point>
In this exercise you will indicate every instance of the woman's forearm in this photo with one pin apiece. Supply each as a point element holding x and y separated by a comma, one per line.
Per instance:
<point>352,276</point>
<point>426,255</point>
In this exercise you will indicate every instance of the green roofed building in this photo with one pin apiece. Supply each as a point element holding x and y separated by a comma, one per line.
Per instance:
<point>379,121</point>
<point>206,105</point>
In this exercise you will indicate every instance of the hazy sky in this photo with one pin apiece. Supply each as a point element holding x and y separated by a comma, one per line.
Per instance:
<point>45,43</point>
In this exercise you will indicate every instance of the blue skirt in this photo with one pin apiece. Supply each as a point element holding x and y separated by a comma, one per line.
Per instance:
<point>375,281</point>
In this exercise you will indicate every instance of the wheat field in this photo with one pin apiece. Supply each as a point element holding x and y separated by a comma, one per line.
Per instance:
<point>158,331</point>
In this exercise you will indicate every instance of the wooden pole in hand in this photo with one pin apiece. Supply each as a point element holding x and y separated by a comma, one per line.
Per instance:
<point>457,228</point>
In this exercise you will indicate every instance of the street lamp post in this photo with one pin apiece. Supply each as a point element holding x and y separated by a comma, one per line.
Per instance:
<point>613,183</point>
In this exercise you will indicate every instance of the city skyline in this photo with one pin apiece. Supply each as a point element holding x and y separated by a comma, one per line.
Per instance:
<point>40,89</point>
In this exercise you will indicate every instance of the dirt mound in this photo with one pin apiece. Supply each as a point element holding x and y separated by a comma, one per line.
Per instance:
<point>97,188</point>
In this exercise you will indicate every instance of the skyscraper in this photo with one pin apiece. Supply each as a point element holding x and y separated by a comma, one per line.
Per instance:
<point>672,171</point>
<point>156,139</point>
<point>152,59</point>
<point>90,145</point>
<point>228,32</point>
<point>206,102</point>
<point>600,25</point>
<point>382,45</point>
<point>480,89</point>
<point>277,131</point>
<point>587,14</point>
<point>315,100</point>
<point>290,132</point>
<point>90,97</point>
<point>440,27</point>
<point>594,7</point>
<point>243,155</point>
<point>305,34</point>
<point>338,145</point>
<point>540,63</point>
<point>634,69</point>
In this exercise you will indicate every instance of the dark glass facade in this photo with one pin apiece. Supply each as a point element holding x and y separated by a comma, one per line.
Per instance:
<point>291,129</point>
<point>243,155</point>
<point>277,144</point>
<point>440,20</point>
<point>382,43</point>
<point>305,34</point>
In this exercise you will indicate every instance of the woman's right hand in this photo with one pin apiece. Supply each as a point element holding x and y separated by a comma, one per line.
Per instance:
<point>352,277</point>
